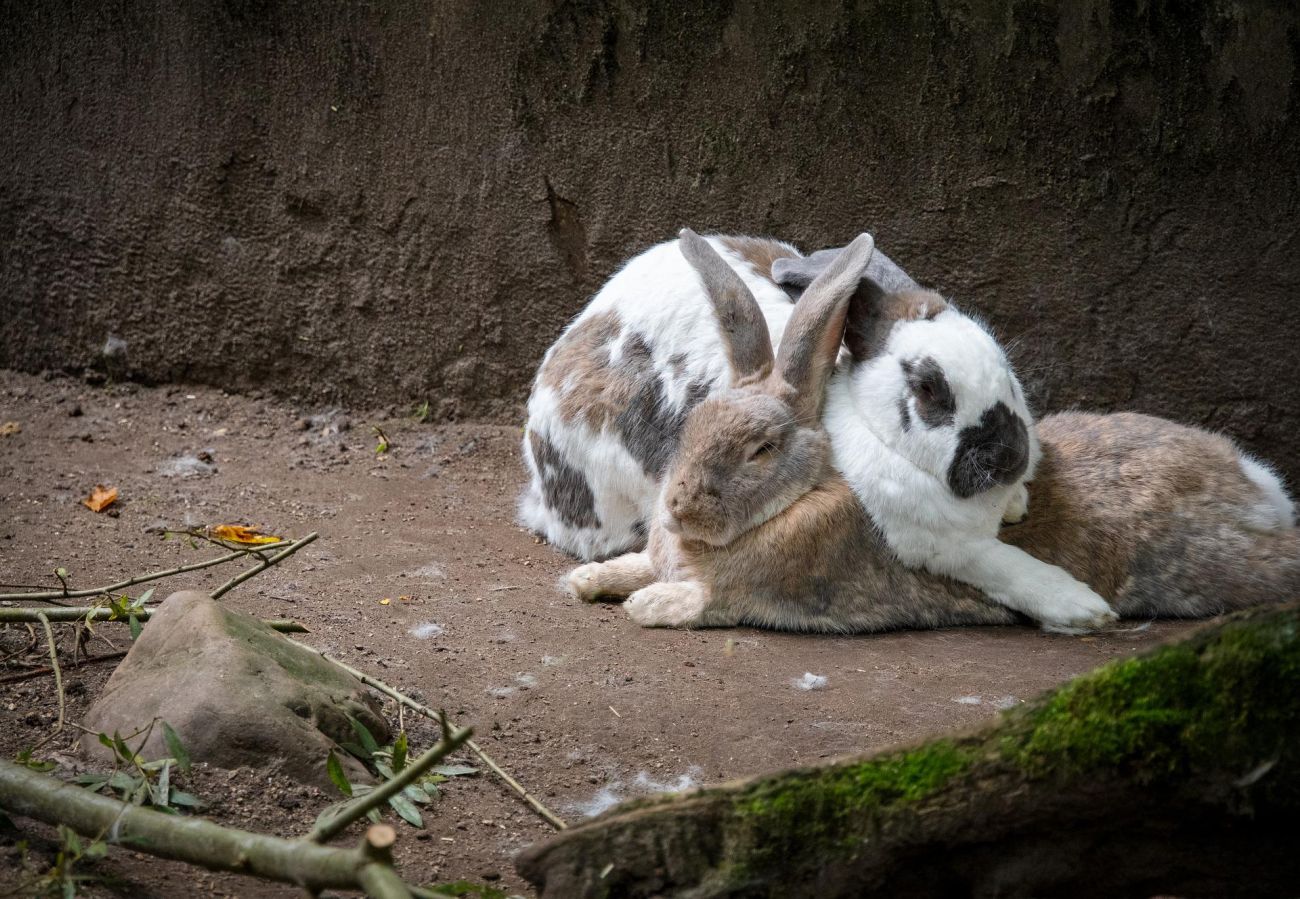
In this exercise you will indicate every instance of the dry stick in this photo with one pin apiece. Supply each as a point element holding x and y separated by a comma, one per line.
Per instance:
<point>54,663</point>
<point>266,563</point>
<point>427,712</point>
<point>104,613</point>
<point>41,672</point>
<point>139,579</point>
<point>353,811</point>
<point>200,842</point>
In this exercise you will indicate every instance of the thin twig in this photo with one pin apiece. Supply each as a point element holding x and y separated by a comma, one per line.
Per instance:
<point>54,663</point>
<point>141,578</point>
<point>266,563</point>
<point>358,809</point>
<point>28,794</point>
<point>41,672</point>
<point>104,613</point>
<point>551,818</point>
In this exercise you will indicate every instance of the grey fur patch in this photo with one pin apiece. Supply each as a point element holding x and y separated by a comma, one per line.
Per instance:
<point>935,404</point>
<point>904,416</point>
<point>991,453</point>
<point>650,427</point>
<point>566,489</point>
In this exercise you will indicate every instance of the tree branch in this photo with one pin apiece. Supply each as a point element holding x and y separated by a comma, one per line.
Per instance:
<point>199,842</point>
<point>140,578</point>
<point>103,613</point>
<point>266,563</point>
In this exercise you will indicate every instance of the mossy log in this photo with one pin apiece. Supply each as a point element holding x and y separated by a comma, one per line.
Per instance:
<point>1174,772</point>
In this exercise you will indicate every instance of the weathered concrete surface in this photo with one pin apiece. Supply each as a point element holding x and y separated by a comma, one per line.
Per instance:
<point>405,201</point>
<point>236,692</point>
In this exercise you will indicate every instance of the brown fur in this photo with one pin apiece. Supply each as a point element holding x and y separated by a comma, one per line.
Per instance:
<point>759,252</point>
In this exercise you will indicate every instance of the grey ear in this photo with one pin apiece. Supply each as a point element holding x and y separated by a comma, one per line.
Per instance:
<point>744,330</point>
<point>881,271</point>
<point>812,336</point>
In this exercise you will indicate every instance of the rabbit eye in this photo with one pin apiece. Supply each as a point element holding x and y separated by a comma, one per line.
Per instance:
<point>764,450</point>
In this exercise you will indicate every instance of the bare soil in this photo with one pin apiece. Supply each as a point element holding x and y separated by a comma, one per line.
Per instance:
<point>580,705</point>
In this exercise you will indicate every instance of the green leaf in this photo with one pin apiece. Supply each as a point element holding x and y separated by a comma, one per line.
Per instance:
<point>162,788</point>
<point>96,850</point>
<point>400,748</point>
<point>136,627</point>
<point>122,782</point>
<point>61,572</point>
<point>144,597</point>
<point>383,768</point>
<point>176,747</point>
<point>454,770</point>
<point>335,771</point>
<point>415,794</point>
<point>374,816</point>
<point>106,740</point>
<point>70,839</point>
<point>184,800</point>
<point>92,782</point>
<point>410,814</point>
<point>365,736</point>
<point>123,751</point>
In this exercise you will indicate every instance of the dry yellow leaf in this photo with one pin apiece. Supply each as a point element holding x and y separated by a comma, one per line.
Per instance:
<point>385,601</point>
<point>237,533</point>
<point>100,498</point>
<point>10,428</point>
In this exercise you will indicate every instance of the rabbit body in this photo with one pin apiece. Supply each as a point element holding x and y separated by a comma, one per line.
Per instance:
<point>756,526</point>
<point>611,394</point>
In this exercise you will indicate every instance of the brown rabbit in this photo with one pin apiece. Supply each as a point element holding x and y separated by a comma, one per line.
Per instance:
<point>754,525</point>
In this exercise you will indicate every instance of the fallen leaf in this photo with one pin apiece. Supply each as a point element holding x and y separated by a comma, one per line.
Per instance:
<point>237,533</point>
<point>404,598</point>
<point>100,498</point>
<point>385,601</point>
<point>10,428</point>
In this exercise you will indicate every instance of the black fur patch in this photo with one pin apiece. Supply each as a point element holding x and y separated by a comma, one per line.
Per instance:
<point>989,454</point>
<point>650,428</point>
<point>935,403</point>
<point>565,488</point>
<point>904,416</point>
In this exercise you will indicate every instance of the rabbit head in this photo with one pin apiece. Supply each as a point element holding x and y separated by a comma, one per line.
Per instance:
<point>932,384</point>
<point>751,450</point>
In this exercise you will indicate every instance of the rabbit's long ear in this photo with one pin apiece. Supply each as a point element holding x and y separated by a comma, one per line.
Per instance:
<point>812,336</point>
<point>744,330</point>
<point>798,272</point>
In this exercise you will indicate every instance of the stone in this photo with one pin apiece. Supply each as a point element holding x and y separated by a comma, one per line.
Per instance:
<point>236,692</point>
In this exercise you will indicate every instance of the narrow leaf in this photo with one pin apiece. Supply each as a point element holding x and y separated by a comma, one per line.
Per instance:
<point>176,747</point>
<point>365,736</point>
<point>185,800</point>
<point>454,770</point>
<point>400,748</point>
<point>136,627</point>
<point>403,806</point>
<point>335,771</point>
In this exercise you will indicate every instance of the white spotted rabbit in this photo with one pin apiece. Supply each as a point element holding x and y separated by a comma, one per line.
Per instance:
<point>755,525</point>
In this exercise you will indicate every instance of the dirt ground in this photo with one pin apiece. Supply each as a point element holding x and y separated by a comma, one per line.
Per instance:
<point>580,705</point>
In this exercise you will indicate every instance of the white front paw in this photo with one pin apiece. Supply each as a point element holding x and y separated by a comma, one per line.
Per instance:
<point>666,605</point>
<point>583,582</point>
<point>1017,507</point>
<point>1069,607</point>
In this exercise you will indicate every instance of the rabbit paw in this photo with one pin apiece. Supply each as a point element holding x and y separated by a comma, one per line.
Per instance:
<point>1017,507</point>
<point>1074,609</point>
<point>667,605</point>
<point>583,582</point>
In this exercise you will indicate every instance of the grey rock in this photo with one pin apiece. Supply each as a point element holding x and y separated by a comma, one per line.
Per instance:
<point>236,692</point>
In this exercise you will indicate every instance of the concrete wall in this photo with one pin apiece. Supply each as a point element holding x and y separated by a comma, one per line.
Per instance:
<point>398,201</point>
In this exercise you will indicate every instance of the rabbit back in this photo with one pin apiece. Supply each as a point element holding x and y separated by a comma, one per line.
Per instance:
<point>610,397</point>
<point>1162,519</point>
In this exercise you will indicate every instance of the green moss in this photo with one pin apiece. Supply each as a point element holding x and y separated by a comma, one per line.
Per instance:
<point>833,809</point>
<point>1186,707</point>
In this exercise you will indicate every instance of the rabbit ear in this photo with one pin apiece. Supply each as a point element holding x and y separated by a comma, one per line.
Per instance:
<point>744,330</point>
<point>881,271</point>
<point>873,314</point>
<point>812,336</point>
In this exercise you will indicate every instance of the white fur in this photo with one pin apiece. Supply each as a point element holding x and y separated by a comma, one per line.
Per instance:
<point>899,474</point>
<point>1277,510</point>
<point>657,295</point>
